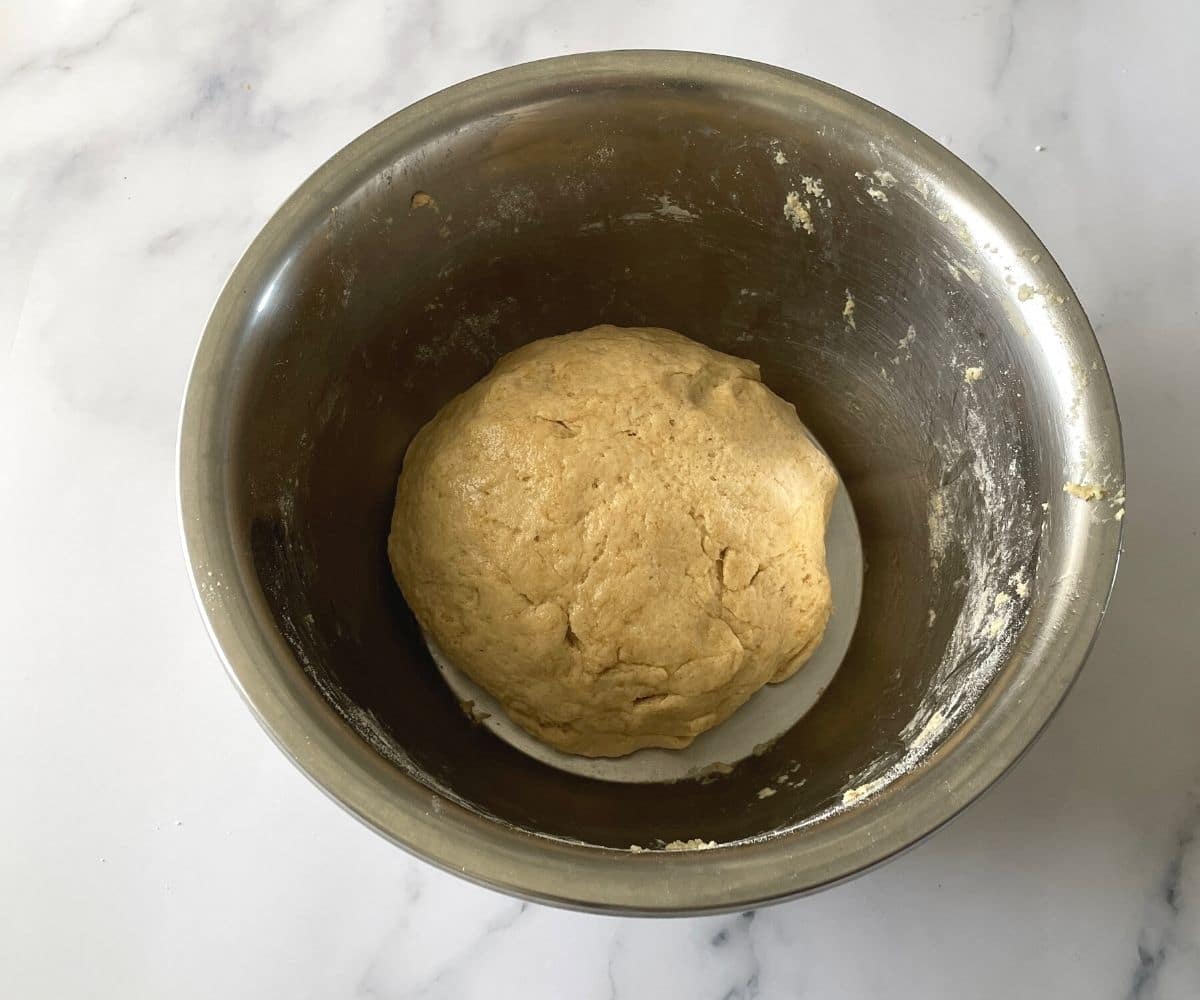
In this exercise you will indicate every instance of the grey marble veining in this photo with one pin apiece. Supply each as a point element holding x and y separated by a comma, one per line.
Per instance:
<point>156,843</point>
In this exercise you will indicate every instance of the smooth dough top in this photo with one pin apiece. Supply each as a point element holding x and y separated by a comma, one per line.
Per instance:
<point>618,533</point>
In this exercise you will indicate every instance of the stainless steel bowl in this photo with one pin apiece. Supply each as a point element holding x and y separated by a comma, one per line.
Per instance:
<point>650,188</point>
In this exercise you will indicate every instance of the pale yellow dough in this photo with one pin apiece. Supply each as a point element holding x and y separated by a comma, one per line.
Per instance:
<point>620,534</point>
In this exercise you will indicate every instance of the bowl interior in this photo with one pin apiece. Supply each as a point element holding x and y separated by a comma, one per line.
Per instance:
<point>919,336</point>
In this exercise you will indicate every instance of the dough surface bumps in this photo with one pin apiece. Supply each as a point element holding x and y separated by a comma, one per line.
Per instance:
<point>618,533</point>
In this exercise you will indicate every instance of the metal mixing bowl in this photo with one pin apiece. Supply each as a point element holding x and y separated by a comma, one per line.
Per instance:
<point>650,188</point>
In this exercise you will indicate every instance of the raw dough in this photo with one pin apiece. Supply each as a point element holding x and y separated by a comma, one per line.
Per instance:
<point>620,534</point>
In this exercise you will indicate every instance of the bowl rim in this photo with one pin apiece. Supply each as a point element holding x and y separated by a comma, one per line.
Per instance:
<point>1005,723</point>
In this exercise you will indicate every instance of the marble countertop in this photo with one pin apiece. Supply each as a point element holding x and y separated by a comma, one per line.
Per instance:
<point>155,842</point>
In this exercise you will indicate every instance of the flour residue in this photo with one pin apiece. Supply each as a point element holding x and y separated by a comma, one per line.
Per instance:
<point>667,209</point>
<point>983,486</point>
<point>939,529</point>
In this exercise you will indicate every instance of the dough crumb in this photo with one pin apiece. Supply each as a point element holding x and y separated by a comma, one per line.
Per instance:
<point>797,213</point>
<point>813,186</point>
<point>475,715</point>
<point>1085,491</point>
<point>636,849</point>
<point>1026,292</point>
<point>695,844</point>
<point>780,158</point>
<point>877,194</point>
<point>421,199</point>
<point>710,772</point>
<point>766,793</point>
<point>764,746</point>
<point>848,310</point>
<point>852,795</point>
<point>1119,515</point>
<point>972,374</point>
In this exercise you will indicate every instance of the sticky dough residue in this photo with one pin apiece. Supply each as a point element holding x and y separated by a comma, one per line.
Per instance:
<point>695,844</point>
<point>848,311</point>
<point>877,184</point>
<point>798,212</point>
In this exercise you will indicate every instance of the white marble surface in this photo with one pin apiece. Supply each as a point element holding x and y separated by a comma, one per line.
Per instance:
<point>154,843</point>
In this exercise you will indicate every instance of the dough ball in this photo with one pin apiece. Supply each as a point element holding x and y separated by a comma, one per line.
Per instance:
<point>618,533</point>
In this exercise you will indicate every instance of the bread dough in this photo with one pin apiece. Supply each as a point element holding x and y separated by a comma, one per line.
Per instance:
<point>618,533</point>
